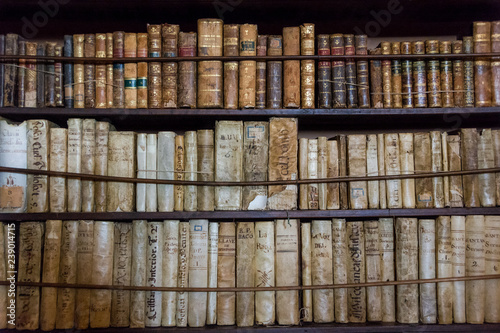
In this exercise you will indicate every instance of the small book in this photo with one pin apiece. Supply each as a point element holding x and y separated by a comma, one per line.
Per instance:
<point>433,75</point>
<point>170,38</point>
<point>396,76</point>
<point>247,68</point>
<point>307,67</point>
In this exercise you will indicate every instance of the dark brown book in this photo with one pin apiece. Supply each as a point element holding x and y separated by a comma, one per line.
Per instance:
<point>50,83</point>
<point>89,75</point>
<point>350,72</point>
<point>130,70</point>
<point>30,87</point>
<point>142,71</point>
<point>407,77</point>
<point>68,78</point>
<point>291,68</point>
<point>2,69</point>
<point>419,76</point>
<point>469,145</point>
<point>376,80</point>
<point>170,37</point>
<point>458,75</point>
<point>260,89</point>
<point>324,73</point>
<point>21,75</point>
<point>307,67</point>
<point>100,72</point>
<point>495,63</point>
<point>40,75</point>
<point>361,43</point>
<point>274,73</point>
<point>58,77</point>
<point>396,81</point>
<point>10,79</point>
<point>186,90</point>
<point>118,78</point>
<point>386,75</point>
<point>482,66</point>
<point>248,68</point>
<point>343,187</point>
<point>468,45</point>
<point>338,71</point>
<point>231,68</point>
<point>154,40</point>
<point>446,75</point>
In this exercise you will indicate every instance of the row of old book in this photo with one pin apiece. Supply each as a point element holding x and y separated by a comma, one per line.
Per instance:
<point>237,151</point>
<point>281,253</point>
<point>245,84</point>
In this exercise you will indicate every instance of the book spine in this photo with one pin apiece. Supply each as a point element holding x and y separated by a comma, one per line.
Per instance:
<point>38,159</point>
<point>469,149</point>
<point>142,44</point>
<point>419,75</point>
<point>182,277</point>
<point>58,77</point>
<point>40,75</point>
<point>437,166</point>
<point>332,194</point>
<point>231,68</point>
<point>179,173</point>
<point>303,172</point>
<point>482,66</point>
<point>142,85</point>
<point>260,88</point>
<point>386,230</point>
<point>312,173</point>
<point>356,269</point>
<point>198,272</point>
<point>305,241</point>
<point>31,84</point>
<point>130,71</point>
<point>79,87</point>
<point>206,194</point>
<point>455,164</point>
<point>495,63</point>
<point>245,273</point>
<point>373,250</point>
<point>122,263</point>
<point>407,76</point>
<point>396,81</point>
<point>468,44</point>
<point>85,247</point>
<point>496,147</point>
<point>2,74</point>
<point>324,74</point>
<point>109,71</point>
<point>387,75</point>
<point>486,160</point>
<point>307,67</point>
<point>372,170</point>
<point>322,171</point>
<point>213,246</point>
<point>21,76</point>
<point>165,170</point>
<point>101,164</point>
<point>58,162</point>
<point>358,191</point>
<point>154,273</point>
<point>88,163</point>
<point>458,267</point>
<point>423,163</point>
<point>170,36</point>
<point>339,248</point>
<point>264,273</point>
<point>444,270</point>
<point>50,76</point>
<point>191,168</point>
<point>274,73</point>
<point>376,80</point>
<point>350,73</point>
<point>89,51</point>
<point>475,264</point>
<point>291,68</point>
<point>118,71</point>
<point>446,75</point>
<point>361,42</point>
<point>68,73</point>
<point>138,273</point>
<point>247,68</point>
<point>433,75</point>
<point>445,168</point>
<point>344,196</point>
<point>154,40</point>
<point>154,85</point>
<point>338,71</point>
<point>169,271</point>
<point>406,155</point>
<point>226,263</point>
<point>427,270</point>
<point>187,88</point>
<point>458,75</point>
<point>74,164</point>
<point>491,257</point>
<point>9,84</point>
<point>382,184</point>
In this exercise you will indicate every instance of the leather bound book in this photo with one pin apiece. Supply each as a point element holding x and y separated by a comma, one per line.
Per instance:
<point>2,69</point>
<point>291,68</point>
<point>170,38</point>
<point>142,45</point>
<point>154,85</point>
<point>186,89</point>
<point>58,77</point>
<point>210,80</point>
<point>324,74</point>
<point>260,88</point>
<point>154,40</point>
<point>446,75</point>
<point>118,71</point>
<point>50,83</point>
<point>130,70</point>
<point>495,63</point>
<point>361,42</point>
<point>9,85</point>
<point>248,68</point>
<point>231,72</point>
<point>458,75</point>
<point>109,70</point>
<point>386,75</point>
<point>350,72</point>
<point>89,49</point>
<point>376,80</point>
<point>142,71</point>
<point>274,72</point>
<point>21,75</point>
<point>307,67</point>
<point>468,45</point>
<point>482,66</point>
<point>40,75</point>
<point>397,101</point>
<point>100,72</point>
<point>30,88</point>
<point>433,75</point>
<point>407,77</point>
<point>338,71</point>
<point>469,146</point>
<point>419,76</point>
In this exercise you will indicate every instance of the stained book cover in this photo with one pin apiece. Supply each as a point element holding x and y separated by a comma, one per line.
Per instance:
<point>255,164</point>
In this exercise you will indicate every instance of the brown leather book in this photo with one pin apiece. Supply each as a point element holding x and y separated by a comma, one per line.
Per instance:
<point>468,44</point>
<point>469,139</point>
<point>21,75</point>
<point>338,71</point>
<point>376,80</point>
<point>260,89</point>
<point>458,75</point>
<point>154,40</point>
<point>9,86</point>
<point>291,68</point>
<point>170,36</point>
<point>248,68</point>
<point>446,75</point>
<point>495,63</point>
<point>324,74</point>
<point>407,77</point>
<point>58,77</point>
<point>50,83</point>
<point>231,68</point>
<point>118,68</point>
<point>130,70</point>
<point>482,66</point>
<point>307,67</point>
<point>210,83</point>
<point>109,70</point>
<point>142,44</point>
<point>30,88</point>
<point>350,72</point>
<point>154,68</point>
<point>41,69</point>
<point>142,71</point>
<point>386,75</point>
<point>89,48</point>
<point>433,75</point>
<point>274,73</point>
<point>100,72</point>
<point>419,76</point>
<point>396,81</point>
<point>361,42</point>
<point>186,89</point>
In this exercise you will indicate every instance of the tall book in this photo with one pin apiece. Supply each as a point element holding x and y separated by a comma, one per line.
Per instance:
<point>340,256</point>
<point>386,75</point>
<point>307,67</point>
<point>109,71</point>
<point>396,81</point>
<point>190,167</point>
<point>356,270</point>
<point>350,72</point>
<point>154,68</point>
<point>437,166</point>
<point>496,148</point>
<point>187,83</point>
<point>89,48</point>
<point>179,173</point>
<point>492,260</point>
<point>198,272</point>
<point>130,70</point>
<point>291,68</point>
<point>50,83</point>
<point>482,66</point>
<point>169,274</point>
<point>138,273</point>
<point>2,69</point>
<point>75,163</point>
<point>206,194</point>
<point>9,85</point>
<point>21,76</point>
<point>38,150</point>
<point>274,73</point>
<point>255,164</point>
<point>264,273</point>
<point>433,75</point>
<point>78,72</point>
<point>455,164</point>
<point>446,75</point>
<point>118,70</point>
<point>260,88</point>
<point>332,189</point>
<point>458,267</point>
<point>303,172</point>
<point>361,44</point>
<point>170,38</point>
<point>475,264</point>
<point>407,76</point>
<point>68,72</point>
<point>122,264</point>
<point>338,71</point>
<point>468,44</point>
<point>386,231</point>
<point>306,278</point>
<point>423,163</point>
<point>495,64</point>
<point>182,276</point>
<point>322,170</point>
<point>231,68</point>
<point>486,159</point>
<point>419,75</point>
<point>165,170</point>
<point>85,248</point>
<point>373,267</point>
<point>343,188</point>
<point>213,251</point>
<point>88,159</point>
<point>247,68</point>
<point>444,252</point>
<point>324,74</point>
<point>445,167</point>
<point>427,270</point>
<point>358,190</point>
<point>382,184</point>
<point>154,276</point>
<point>393,167</point>
<point>406,155</point>
<point>102,129</point>
<point>3,275</point>
<point>226,277</point>
<point>469,148</point>
<point>245,273</point>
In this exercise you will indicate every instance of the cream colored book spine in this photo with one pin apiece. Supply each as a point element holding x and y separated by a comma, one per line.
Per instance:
<point>102,274</point>
<point>407,168</point>
<point>492,260</point>
<point>198,272</point>
<point>264,273</point>
<point>191,168</point>
<point>322,171</point>
<point>74,164</point>
<point>38,159</point>
<point>305,237</point>
<point>455,164</point>
<point>445,168</point>
<point>458,266</point>
<point>179,173</point>
<point>138,273</point>
<point>444,270</point>
<point>469,139</point>
<point>154,274</point>
<point>356,164</point>
<point>226,268</point>
<point>339,244</point>
<point>312,173</point>
<point>122,262</point>
<point>437,166</point>
<point>88,163</point>
<point>393,167</point>
<point>427,270</point>
<point>386,230</point>
<point>372,170</point>
<point>495,134</point>
<point>474,265</point>
<point>322,270</point>
<point>165,168</point>
<point>67,274</point>
<point>287,271</point>
<point>486,160</point>
<point>229,166</point>
<point>213,246</point>
<point>29,270</point>
<point>58,162</point>
<point>206,194</point>
<point>102,129</point>
<point>423,163</point>
<point>333,194</point>
<point>151,189</point>
<point>84,272</point>
<point>303,172</point>
<point>245,273</point>
<point>182,277</point>
<point>140,188</point>
<point>407,269</point>
<point>356,269</point>
<point>381,171</point>
<point>50,274</point>
<point>373,270</point>
<point>4,254</point>
<point>169,271</point>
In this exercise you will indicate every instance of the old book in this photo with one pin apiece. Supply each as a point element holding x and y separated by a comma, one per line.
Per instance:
<point>282,163</point>
<point>446,75</point>
<point>2,73</point>
<point>41,69</point>
<point>140,188</point>
<point>303,172</point>
<point>38,150</point>
<point>419,76</point>
<point>88,163</point>
<point>142,84</point>
<point>455,164</point>
<point>458,267</point>
<point>9,85</point>
<point>427,270</point>
<point>373,266</point>
<point>226,277</point>
<point>4,254</point>
<point>386,75</point>
<point>482,66</point>
<point>274,73</point>
<point>245,273</point>
<point>191,168</point>
<point>376,80</point>
<point>89,48</point>
<point>260,87</point>
<point>386,231</point>
<point>486,159</point>
<point>213,246</point>
<point>182,276</point>
<point>324,74</point>
<point>187,83</point>
<point>21,76</point>
<point>154,273</point>
<point>121,162</point>
<point>255,164</point>
<point>118,70</point>
<point>306,276</point>
<point>307,67</point>
<point>393,167</point>
<point>264,273</point>
<point>210,85</point>
<point>142,44</point>
<point>433,75</point>
<point>338,71</point>
<point>468,45</point>
<point>154,40</point>
<point>68,72</point>
<point>58,162</point>
<point>445,167</point>
<point>165,170</point>
<point>291,68</point>
<point>75,163</point>
<point>496,148</point>
<point>340,255</point>
<point>350,73</point>
<point>361,43</point>
<point>102,129</point>
<point>322,270</point>
<point>396,81</point>
<point>312,173</point>
<point>322,170</point>
<point>423,163</point>
<point>130,70</point>
<point>495,64</point>
<point>382,186</point>
<point>29,270</point>
<point>407,307</point>
<point>469,138</point>
<point>356,151</point>
<point>475,264</point>
<point>138,273</point>
<point>332,191</point>
<point>100,72</point>
<point>231,68</point>
<point>109,71</point>
<point>78,71</point>
<point>169,271</point>
<point>85,248</point>
<point>407,76</point>
<point>356,269</point>
<point>492,259</point>
<point>437,166</point>
<point>206,194</point>
<point>31,83</point>
<point>13,186</point>
<point>406,155</point>
<point>247,68</point>
<point>229,166</point>
<point>50,76</point>
<point>287,271</point>
<point>170,38</point>
<point>122,264</point>
<point>198,272</point>
<point>444,270</point>
<point>344,192</point>
<point>154,85</point>
<point>372,170</point>
<point>179,173</point>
